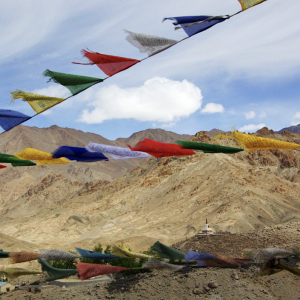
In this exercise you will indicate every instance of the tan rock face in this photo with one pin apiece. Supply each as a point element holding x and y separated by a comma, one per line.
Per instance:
<point>160,200</point>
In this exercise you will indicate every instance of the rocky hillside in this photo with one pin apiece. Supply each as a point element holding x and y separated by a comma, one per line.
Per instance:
<point>161,199</point>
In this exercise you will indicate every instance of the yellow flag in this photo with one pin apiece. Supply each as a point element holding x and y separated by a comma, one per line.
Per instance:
<point>252,142</point>
<point>249,3</point>
<point>122,251</point>
<point>39,103</point>
<point>41,157</point>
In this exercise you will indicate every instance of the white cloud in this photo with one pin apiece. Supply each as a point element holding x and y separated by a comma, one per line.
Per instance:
<point>56,90</point>
<point>250,115</point>
<point>262,115</point>
<point>212,108</point>
<point>158,100</point>
<point>296,119</point>
<point>297,115</point>
<point>251,127</point>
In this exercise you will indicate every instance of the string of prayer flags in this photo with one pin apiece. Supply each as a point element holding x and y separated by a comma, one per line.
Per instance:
<point>95,255</point>
<point>122,251</point>
<point>55,273</point>
<point>208,148</point>
<point>164,251</point>
<point>13,273</point>
<point>11,118</point>
<point>116,152</point>
<point>2,166</point>
<point>158,149</point>
<point>4,254</point>
<point>86,270</point>
<point>109,64</point>
<point>75,83</point>
<point>264,255</point>
<point>78,154</point>
<point>19,257</point>
<point>249,3</point>
<point>150,44</point>
<point>252,142</point>
<point>56,255</point>
<point>39,103</point>
<point>15,161</point>
<point>41,157</point>
<point>195,24</point>
<point>153,263</point>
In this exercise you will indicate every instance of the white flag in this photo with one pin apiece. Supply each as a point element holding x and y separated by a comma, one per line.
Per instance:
<point>116,152</point>
<point>149,43</point>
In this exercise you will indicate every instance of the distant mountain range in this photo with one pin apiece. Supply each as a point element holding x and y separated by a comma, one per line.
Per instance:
<point>293,129</point>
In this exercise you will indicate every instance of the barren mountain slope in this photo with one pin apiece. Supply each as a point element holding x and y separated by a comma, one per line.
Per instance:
<point>159,199</point>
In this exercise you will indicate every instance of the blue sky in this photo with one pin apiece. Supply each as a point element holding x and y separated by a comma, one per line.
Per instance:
<point>243,72</point>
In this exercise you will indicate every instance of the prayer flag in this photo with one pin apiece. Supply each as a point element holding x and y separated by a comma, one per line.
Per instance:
<point>164,251</point>
<point>252,142</point>
<point>249,3</point>
<point>205,259</point>
<point>95,255</point>
<point>153,263</point>
<point>55,273</point>
<point>265,255</point>
<point>150,44</point>
<point>75,83</point>
<point>13,273</point>
<point>15,161</point>
<point>208,148</point>
<point>41,157</point>
<point>39,103</point>
<point>158,149</point>
<point>195,24</point>
<point>11,118</point>
<point>56,255</point>
<point>4,254</point>
<point>116,152</point>
<point>19,257</point>
<point>2,167</point>
<point>109,64</point>
<point>122,251</point>
<point>86,271</point>
<point>78,154</point>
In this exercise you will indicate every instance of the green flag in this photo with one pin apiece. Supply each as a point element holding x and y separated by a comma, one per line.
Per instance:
<point>3,254</point>
<point>54,273</point>
<point>164,251</point>
<point>75,83</point>
<point>14,161</point>
<point>208,148</point>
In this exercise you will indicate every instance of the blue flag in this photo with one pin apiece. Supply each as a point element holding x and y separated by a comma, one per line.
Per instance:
<point>11,118</point>
<point>79,154</point>
<point>95,255</point>
<point>205,23</point>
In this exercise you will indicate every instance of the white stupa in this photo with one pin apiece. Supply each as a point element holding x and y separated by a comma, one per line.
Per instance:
<point>206,230</point>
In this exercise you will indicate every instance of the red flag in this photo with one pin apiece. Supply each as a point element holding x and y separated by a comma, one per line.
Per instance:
<point>86,271</point>
<point>2,167</point>
<point>158,149</point>
<point>109,64</point>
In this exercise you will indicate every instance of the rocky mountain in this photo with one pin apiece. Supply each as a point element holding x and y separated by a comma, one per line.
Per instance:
<point>159,135</point>
<point>293,129</point>
<point>158,200</point>
<point>214,132</point>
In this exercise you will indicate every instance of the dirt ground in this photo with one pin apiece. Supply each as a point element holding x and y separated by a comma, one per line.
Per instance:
<point>194,283</point>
